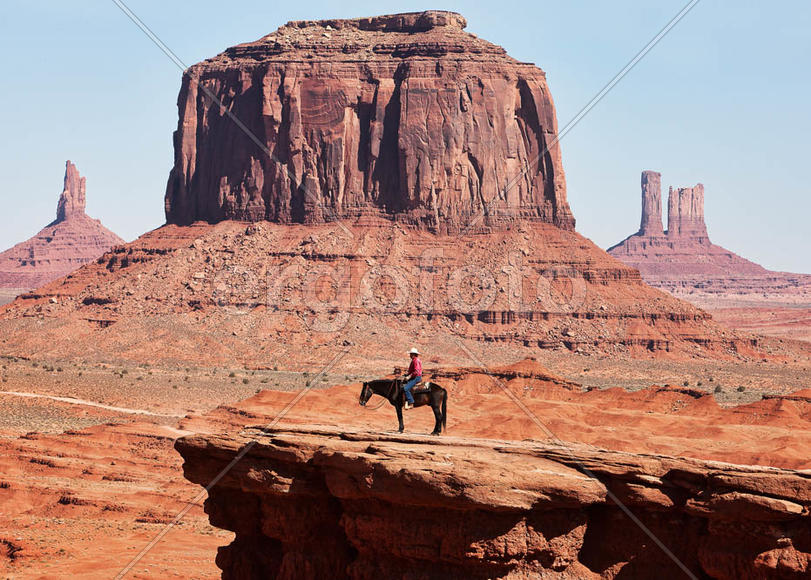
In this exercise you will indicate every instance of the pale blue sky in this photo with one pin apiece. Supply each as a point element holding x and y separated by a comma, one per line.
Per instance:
<point>723,99</point>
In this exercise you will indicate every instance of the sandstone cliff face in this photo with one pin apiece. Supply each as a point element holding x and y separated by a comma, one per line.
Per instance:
<point>404,115</point>
<point>70,241</point>
<point>308,502</point>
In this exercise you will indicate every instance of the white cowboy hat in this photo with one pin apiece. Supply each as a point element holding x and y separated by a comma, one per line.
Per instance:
<point>413,351</point>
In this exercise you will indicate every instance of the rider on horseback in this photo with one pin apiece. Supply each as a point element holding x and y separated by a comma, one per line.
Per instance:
<point>413,377</point>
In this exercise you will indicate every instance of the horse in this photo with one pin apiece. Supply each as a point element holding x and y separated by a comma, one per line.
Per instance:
<point>392,389</point>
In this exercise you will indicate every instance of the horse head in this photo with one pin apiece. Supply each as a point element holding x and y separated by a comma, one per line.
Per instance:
<point>365,394</point>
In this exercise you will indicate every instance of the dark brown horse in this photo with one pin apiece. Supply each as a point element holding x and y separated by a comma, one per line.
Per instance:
<point>427,393</point>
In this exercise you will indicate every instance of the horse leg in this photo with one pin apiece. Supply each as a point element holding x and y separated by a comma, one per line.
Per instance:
<point>399,409</point>
<point>437,417</point>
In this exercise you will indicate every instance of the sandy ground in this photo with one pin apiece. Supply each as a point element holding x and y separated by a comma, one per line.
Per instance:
<point>782,322</point>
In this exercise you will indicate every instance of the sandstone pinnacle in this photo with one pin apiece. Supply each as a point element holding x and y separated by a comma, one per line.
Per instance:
<point>651,204</point>
<point>72,201</point>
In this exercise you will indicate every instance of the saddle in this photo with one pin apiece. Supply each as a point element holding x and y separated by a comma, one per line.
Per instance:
<point>423,387</point>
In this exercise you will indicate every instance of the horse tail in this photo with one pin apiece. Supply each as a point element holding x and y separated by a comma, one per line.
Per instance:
<point>444,410</point>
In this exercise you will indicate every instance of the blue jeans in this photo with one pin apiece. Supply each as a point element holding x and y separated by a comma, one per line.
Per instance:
<point>410,385</point>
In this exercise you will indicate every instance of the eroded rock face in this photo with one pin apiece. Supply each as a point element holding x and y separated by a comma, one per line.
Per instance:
<point>70,241</point>
<point>404,115</point>
<point>308,502</point>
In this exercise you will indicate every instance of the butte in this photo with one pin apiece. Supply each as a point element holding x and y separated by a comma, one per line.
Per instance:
<point>371,183</point>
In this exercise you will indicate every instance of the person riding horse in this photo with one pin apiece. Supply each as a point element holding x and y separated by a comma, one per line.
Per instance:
<point>413,376</point>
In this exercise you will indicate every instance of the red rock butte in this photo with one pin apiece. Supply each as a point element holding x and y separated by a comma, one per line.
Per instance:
<point>683,260</point>
<point>70,241</point>
<point>405,115</point>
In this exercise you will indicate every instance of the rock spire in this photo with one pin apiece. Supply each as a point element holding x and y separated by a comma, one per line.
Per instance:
<point>72,201</point>
<point>651,224</point>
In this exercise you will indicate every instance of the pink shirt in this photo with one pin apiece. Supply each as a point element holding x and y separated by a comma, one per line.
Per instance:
<point>415,368</point>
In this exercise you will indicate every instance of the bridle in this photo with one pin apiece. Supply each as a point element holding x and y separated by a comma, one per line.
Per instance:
<point>383,398</point>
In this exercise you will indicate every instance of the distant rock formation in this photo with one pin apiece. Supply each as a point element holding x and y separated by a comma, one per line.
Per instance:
<point>404,115</point>
<point>70,241</point>
<point>686,263</point>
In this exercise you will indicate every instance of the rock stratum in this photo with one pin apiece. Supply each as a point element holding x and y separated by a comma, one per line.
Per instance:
<point>683,261</point>
<point>310,502</point>
<point>271,294</point>
<point>406,116</point>
<point>70,241</point>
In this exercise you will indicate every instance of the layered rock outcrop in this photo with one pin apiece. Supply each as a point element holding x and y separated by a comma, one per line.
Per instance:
<point>309,502</point>
<point>405,115</point>
<point>686,263</point>
<point>248,290</point>
<point>70,241</point>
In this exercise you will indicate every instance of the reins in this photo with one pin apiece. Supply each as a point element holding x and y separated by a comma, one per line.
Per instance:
<point>385,398</point>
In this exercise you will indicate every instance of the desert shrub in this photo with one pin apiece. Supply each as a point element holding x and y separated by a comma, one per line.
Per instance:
<point>718,388</point>
<point>699,383</point>
<point>59,369</point>
<point>741,389</point>
<point>231,375</point>
<point>245,381</point>
<point>686,383</point>
<point>123,371</point>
